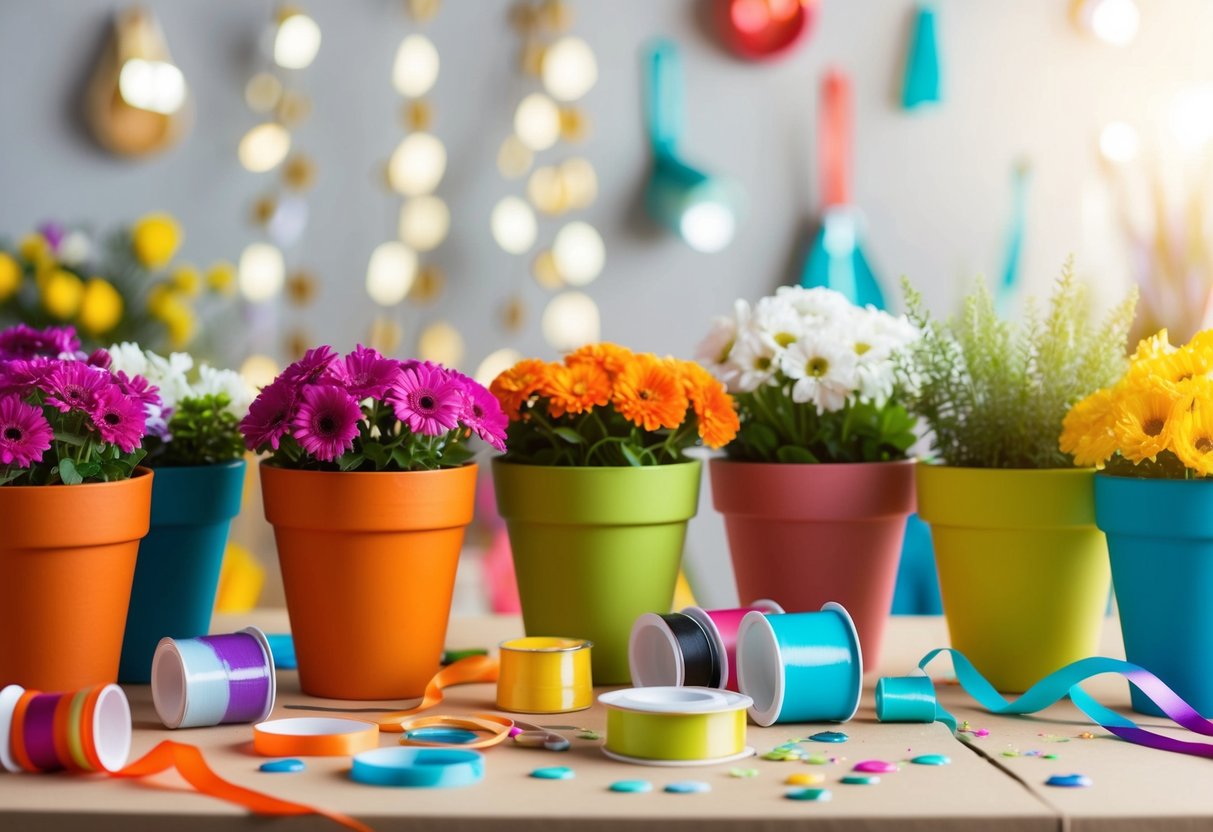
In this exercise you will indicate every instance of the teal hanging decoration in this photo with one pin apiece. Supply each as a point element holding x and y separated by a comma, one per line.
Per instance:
<point>836,259</point>
<point>1015,235</point>
<point>922,80</point>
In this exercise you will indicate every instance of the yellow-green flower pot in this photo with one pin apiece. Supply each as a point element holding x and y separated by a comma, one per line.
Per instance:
<point>1022,567</point>
<point>595,548</point>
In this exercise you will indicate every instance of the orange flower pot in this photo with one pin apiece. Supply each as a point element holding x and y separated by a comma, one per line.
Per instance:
<point>67,559</point>
<point>368,566</point>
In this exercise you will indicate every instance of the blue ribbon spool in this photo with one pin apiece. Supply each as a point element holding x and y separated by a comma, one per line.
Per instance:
<point>428,768</point>
<point>800,667</point>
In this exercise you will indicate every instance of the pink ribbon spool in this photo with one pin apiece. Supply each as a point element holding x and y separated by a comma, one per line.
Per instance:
<point>722,626</point>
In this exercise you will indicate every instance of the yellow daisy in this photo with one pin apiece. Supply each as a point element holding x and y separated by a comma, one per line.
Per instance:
<point>1157,344</point>
<point>1191,427</point>
<point>1172,368</point>
<point>1143,416</point>
<point>1087,433</point>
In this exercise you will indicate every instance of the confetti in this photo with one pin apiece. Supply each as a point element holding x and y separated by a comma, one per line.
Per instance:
<point>860,780</point>
<point>631,786</point>
<point>688,787</point>
<point>743,773</point>
<point>818,760</point>
<point>587,734</point>
<point>287,766</point>
<point>1086,735</point>
<point>815,795</point>
<point>829,736</point>
<point>931,760</point>
<point>875,766</point>
<point>1069,781</point>
<point>805,778</point>
<point>554,773</point>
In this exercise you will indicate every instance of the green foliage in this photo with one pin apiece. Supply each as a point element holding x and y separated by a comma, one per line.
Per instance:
<point>204,432</point>
<point>598,437</point>
<point>994,395</point>
<point>782,430</point>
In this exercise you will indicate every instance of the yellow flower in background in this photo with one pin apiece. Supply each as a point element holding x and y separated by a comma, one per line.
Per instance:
<point>1191,427</point>
<point>10,275</point>
<point>154,239</point>
<point>1170,368</point>
<point>62,293</point>
<point>187,280</point>
<point>168,307</point>
<point>101,308</point>
<point>1088,431</point>
<point>1157,344</point>
<point>34,249</point>
<point>157,299</point>
<point>1143,416</point>
<point>221,278</point>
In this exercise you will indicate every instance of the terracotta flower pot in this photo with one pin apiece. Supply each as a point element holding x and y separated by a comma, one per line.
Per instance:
<point>368,567</point>
<point>805,535</point>
<point>67,558</point>
<point>1022,567</point>
<point>595,548</point>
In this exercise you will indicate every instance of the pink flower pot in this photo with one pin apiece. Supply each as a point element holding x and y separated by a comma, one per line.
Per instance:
<point>803,535</point>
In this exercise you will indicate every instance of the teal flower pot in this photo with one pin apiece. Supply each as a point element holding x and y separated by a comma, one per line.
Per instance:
<point>1160,540</point>
<point>177,573</point>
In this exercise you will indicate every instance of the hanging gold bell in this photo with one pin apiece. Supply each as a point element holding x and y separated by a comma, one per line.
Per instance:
<point>136,101</point>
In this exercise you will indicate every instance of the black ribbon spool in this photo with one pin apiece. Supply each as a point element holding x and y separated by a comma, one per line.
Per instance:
<point>701,664</point>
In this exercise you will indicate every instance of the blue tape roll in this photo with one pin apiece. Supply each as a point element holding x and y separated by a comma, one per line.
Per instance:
<point>425,768</point>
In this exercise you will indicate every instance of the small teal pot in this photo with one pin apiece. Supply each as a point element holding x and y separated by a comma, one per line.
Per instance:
<point>800,667</point>
<point>177,573</point>
<point>1160,540</point>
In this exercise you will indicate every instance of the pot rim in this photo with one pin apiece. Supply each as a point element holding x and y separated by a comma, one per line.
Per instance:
<point>500,460</point>
<point>725,461</point>
<point>139,472</point>
<point>265,464</point>
<point>232,463</point>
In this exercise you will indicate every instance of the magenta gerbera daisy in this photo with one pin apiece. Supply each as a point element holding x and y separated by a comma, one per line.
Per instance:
<point>24,433</point>
<point>139,389</point>
<point>99,358</point>
<point>74,385</point>
<point>426,399</point>
<point>19,376</point>
<point>364,373</point>
<point>483,414</point>
<point>23,341</point>
<point>120,420</point>
<point>310,367</point>
<point>269,416</point>
<point>326,422</point>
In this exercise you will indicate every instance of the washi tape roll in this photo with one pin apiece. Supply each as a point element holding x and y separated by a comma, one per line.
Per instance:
<point>800,667</point>
<point>545,675</point>
<point>673,650</point>
<point>722,626</point>
<point>675,726</point>
<point>429,768</point>
<point>213,680</point>
<point>307,736</point>
<point>86,730</point>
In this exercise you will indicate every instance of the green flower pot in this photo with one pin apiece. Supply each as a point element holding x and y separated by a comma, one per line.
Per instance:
<point>595,548</point>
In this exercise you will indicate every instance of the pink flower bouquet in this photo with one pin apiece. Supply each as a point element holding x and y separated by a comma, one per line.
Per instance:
<point>64,417</point>
<point>365,412</point>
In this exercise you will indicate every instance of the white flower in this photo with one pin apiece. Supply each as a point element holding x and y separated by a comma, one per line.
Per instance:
<point>212,382</point>
<point>128,358</point>
<point>777,321</point>
<point>823,369</point>
<point>817,303</point>
<point>755,362</point>
<point>170,375</point>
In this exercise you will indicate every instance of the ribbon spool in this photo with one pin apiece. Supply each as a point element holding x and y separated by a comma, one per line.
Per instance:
<point>84,730</point>
<point>800,667</point>
<point>673,650</point>
<point>418,767</point>
<point>722,627</point>
<point>314,737</point>
<point>213,680</point>
<point>545,675</point>
<point>675,726</point>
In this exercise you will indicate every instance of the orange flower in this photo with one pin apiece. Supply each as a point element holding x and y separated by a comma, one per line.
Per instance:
<point>610,357</point>
<point>516,385</point>
<point>649,392</point>
<point>576,389</point>
<point>717,415</point>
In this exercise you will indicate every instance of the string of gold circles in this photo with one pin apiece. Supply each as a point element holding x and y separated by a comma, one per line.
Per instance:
<point>281,212</point>
<point>544,120</point>
<point>397,270</point>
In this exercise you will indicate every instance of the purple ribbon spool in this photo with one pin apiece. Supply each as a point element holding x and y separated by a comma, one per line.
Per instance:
<point>213,680</point>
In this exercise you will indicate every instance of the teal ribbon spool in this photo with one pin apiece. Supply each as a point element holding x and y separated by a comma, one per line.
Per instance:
<point>428,768</point>
<point>910,699</point>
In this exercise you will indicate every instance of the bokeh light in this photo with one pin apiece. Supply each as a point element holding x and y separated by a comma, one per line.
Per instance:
<point>708,226</point>
<point>513,225</point>
<point>417,165</point>
<point>155,86</point>
<point>571,320</point>
<point>1118,142</point>
<point>296,42</point>
<point>264,147</point>
<point>537,121</point>
<point>441,343</point>
<point>579,253</point>
<point>496,363</point>
<point>262,271</point>
<point>569,69</point>
<point>259,370</point>
<point>424,222</point>
<point>416,66</point>
<point>390,273</point>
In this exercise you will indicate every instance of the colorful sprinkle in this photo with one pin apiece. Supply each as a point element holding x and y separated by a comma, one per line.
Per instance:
<point>818,760</point>
<point>860,780</point>
<point>875,767</point>
<point>743,773</point>
<point>1069,781</point>
<point>542,739</point>
<point>287,766</point>
<point>829,736</point>
<point>632,786</point>
<point>554,773</point>
<point>1049,757</point>
<point>816,795</point>
<point>931,760</point>
<point>805,778</point>
<point>587,734</point>
<point>1086,735</point>
<point>688,787</point>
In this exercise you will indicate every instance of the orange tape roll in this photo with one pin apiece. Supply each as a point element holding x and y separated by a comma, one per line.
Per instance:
<point>17,737</point>
<point>314,737</point>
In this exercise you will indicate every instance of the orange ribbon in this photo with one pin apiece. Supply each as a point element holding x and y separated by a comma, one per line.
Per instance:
<point>344,737</point>
<point>497,727</point>
<point>191,765</point>
<point>467,671</point>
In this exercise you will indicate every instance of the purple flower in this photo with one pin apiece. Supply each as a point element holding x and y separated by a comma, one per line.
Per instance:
<point>482,412</point>
<point>269,416</point>
<point>120,420</point>
<point>99,358</point>
<point>24,433</point>
<point>20,376</point>
<point>327,421</point>
<point>310,367</point>
<point>139,389</point>
<point>364,373</point>
<point>22,341</point>
<point>427,399</point>
<point>53,232</point>
<point>73,385</point>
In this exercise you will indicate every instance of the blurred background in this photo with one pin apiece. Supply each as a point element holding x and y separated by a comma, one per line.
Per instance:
<point>465,180</point>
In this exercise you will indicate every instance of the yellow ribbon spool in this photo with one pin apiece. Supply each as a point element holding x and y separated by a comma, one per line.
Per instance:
<point>676,726</point>
<point>545,675</point>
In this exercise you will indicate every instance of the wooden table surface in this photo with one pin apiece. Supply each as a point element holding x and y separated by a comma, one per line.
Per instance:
<point>1134,788</point>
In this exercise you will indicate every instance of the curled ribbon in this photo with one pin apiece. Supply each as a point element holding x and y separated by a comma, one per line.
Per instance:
<point>912,699</point>
<point>467,671</point>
